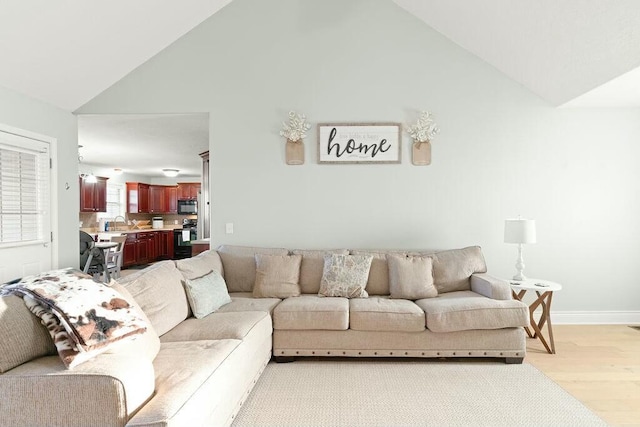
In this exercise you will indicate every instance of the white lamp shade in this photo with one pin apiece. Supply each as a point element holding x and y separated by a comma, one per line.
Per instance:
<point>519,231</point>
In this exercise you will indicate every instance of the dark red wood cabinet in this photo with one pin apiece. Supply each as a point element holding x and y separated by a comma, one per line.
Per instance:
<point>137,197</point>
<point>188,190</point>
<point>157,199</point>
<point>93,195</point>
<point>171,199</point>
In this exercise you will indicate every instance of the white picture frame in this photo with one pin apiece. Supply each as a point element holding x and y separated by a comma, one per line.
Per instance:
<point>351,143</point>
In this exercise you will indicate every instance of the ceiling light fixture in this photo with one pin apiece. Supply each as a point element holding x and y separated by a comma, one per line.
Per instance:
<point>89,177</point>
<point>171,173</point>
<point>117,171</point>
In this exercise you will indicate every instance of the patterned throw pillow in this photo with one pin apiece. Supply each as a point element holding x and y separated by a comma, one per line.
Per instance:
<point>206,294</point>
<point>345,276</point>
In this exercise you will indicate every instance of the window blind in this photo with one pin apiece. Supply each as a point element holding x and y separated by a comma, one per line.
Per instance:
<point>24,191</point>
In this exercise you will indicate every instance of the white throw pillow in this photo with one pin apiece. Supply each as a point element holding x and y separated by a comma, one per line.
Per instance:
<point>206,294</point>
<point>345,276</point>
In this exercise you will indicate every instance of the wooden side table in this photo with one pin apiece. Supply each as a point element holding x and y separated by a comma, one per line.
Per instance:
<point>544,290</point>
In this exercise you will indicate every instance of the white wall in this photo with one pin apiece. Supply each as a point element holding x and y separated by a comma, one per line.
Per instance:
<point>502,151</point>
<point>26,113</point>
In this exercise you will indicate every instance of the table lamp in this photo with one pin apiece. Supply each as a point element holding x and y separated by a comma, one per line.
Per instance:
<point>519,231</point>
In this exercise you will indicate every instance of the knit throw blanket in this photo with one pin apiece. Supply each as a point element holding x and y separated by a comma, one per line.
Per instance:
<point>81,315</point>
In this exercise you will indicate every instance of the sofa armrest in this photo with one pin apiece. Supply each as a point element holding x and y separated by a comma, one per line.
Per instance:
<point>104,391</point>
<point>69,400</point>
<point>490,287</point>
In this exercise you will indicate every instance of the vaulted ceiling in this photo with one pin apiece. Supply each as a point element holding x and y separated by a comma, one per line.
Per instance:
<point>573,52</point>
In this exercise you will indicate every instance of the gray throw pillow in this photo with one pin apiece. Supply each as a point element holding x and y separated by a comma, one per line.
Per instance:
<point>206,294</point>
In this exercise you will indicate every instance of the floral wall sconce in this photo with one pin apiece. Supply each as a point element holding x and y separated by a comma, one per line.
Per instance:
<point>295,131</point>
<point>422,133</point>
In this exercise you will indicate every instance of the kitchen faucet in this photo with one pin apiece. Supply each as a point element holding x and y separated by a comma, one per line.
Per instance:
<point>115,222</point>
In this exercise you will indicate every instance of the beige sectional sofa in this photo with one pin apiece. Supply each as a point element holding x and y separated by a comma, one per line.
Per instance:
<point>189,371</point>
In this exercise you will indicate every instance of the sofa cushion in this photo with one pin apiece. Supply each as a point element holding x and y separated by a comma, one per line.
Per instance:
<point>345,276</point>
<point>183,369</point>
<point>384,314</point>
<point>147,344</point>
<point>411,277</point>
<point>277,276</point>
<point>452,269</point>
<point>244,301</point>
<point>240,265</point>
<point>312,266</point>
<point>206,294</point>
<point>217,326</point>
<point>158,289</point>
<point>466,310</point>
<point>312,312</point>
<point>22,336</point>
<point>201,264</point>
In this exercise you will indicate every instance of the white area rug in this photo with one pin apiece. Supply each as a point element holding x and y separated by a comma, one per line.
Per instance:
<point>409,393</point>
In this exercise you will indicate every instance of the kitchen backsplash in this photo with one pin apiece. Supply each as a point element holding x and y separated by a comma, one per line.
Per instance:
<point>89,220</point>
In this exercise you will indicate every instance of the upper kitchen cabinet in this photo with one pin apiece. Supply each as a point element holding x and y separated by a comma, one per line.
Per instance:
<point>137,197</point>
<point>157,199</point>
<point>171,199</point>
<point>93,195</point>
<point>188,190</point>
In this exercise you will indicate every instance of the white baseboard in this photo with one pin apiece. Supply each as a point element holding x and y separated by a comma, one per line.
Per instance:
<point>595,317</point>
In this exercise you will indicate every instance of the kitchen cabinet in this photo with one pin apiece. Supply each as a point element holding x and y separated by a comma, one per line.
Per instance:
<point>165,245</point>
<point>130,256</point>
<point>157,199</point>
<point>171,199</point>
<point>188,190</point>
<point>148,246</point>
<point>93,195</point>
<point>137,197</point>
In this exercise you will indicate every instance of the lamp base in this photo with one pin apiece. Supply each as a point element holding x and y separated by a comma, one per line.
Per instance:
<point>519,277</point>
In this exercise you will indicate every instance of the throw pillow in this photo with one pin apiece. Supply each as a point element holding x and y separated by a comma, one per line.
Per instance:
<point>277,276</point>
<point>411,277</point>
<point>345,276</point>
<point>206,294</point>
<point>453,268</point>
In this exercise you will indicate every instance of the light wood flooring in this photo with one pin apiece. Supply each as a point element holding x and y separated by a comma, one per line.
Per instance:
<point>599,365</point>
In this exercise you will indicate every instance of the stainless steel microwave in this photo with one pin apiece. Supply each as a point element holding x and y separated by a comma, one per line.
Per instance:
<point>187,207</point>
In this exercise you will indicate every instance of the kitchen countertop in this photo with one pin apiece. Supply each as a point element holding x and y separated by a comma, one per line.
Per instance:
<point>119,232</point>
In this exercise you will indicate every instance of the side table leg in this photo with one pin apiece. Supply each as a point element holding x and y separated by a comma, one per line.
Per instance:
<point>545,318</point>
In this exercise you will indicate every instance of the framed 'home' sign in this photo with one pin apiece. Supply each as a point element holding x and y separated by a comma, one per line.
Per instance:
<point>359,143</point>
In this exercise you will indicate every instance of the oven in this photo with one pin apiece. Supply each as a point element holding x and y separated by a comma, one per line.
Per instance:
<point>182,238</point>
<point>187,207</point>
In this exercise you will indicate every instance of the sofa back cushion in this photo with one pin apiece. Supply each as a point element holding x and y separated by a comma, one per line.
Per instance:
<point>312,266</point>
<point>239,265</point>
<point>22,336</point>
<point>200,265</point>
<point>452,269</point>
<point>146,344</point>
<point>159,292</point>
